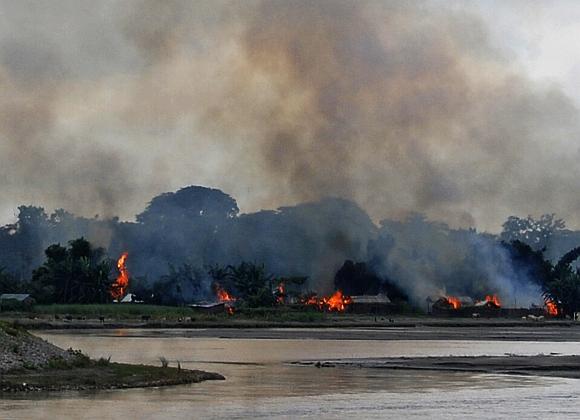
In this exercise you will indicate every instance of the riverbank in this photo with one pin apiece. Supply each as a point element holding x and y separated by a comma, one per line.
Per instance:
<point>330,321</point>
<point>28,363</point>
<point>99,377</point>
<point>440,332</point>
<point>539,365</point>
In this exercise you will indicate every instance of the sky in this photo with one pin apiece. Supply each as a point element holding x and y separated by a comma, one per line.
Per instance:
<point>466,111</point>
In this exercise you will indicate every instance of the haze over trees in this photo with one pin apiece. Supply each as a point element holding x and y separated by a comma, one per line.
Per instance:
<point>331,242</point>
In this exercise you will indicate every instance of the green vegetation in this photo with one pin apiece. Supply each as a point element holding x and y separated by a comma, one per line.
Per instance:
<point>11,329</point>
<point>100,375</point>
<point>77,274</point>
<point>560,282</point>
<point>250,283</point>
<point>563,285</point>
<point>8,283</point>
<point>282,315</point>
<point>31,364</point>
<point>172,313</point>
<point>113,310</point>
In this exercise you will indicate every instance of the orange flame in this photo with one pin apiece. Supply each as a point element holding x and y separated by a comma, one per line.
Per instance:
<point>312,300</point>
<point>552,308</point>
<point>119,287</point>
<point>223,295</point>
<point>336,302</point>
<point>494,300</point>
<point>454,302</point>
<point>280,293</point>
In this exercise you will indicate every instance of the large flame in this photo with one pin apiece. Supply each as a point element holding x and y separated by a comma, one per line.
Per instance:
<point>336,302</point>
<point>223,295</point>
<point>454,302</point>
<point>119,287</point>
<point>552,308</point>
<point>494,300</point>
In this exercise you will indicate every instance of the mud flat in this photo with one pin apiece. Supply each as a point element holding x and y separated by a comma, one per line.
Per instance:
<point>539,365</point>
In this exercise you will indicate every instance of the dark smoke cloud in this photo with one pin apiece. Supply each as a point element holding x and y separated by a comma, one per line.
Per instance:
<point>402,106</point>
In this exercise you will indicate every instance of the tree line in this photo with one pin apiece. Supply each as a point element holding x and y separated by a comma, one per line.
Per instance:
<point>329,242</point>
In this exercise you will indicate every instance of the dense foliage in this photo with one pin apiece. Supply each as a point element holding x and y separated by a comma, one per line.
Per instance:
<point>180,234</point>
<point>77,274</point>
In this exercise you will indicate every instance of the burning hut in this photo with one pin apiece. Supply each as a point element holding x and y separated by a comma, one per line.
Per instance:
<point>446,305</point>
<point>337,302</point>
<point>119,287</point>
<point>490,302</point>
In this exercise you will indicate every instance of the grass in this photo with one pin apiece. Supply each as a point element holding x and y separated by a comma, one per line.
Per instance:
<point>11,329</point>
<point>155,314</point>
<point>114,310</point>
<point>100,375</point>
<point>170,313</point>
<point>282,314</point>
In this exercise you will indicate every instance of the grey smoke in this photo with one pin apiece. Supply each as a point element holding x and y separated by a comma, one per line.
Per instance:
<point>400,106</point>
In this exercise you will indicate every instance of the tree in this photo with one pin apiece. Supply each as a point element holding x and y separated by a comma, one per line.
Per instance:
<point>188,204</point>
<point>8,283</point>
<point>563,287</point>
<point>529,262</point>
<point>77,274</point>
<point>356,279</point>
<point>180,286</point>
<point>535,233</point>
<point>249,281</point>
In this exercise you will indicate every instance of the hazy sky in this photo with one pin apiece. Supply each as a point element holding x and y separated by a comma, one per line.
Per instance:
<point>467,111</point>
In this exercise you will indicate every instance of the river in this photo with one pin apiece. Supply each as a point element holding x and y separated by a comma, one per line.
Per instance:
<point>262,384</point>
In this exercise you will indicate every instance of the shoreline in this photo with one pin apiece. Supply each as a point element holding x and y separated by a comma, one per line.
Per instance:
<point>539,365</point>
<point>556,333</point>
<point>44,324</point>
<point>109,377</point>
<point>29,363</point>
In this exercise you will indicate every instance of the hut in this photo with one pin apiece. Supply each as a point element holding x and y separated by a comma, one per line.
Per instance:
<point>16,301</point>
<point>370,304</point>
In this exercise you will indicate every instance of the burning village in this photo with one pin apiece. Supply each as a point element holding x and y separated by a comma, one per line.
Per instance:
<point>289,209</point>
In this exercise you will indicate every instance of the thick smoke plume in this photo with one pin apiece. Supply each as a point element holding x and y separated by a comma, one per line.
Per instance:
<point>401,106</point>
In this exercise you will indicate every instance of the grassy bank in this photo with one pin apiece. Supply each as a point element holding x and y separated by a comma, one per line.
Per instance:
<point>116,311</point>
<point>99,375</point>
<point>28,363</point>
<point>137,312</point>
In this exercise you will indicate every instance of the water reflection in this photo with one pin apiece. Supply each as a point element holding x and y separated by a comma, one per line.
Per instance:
<point>260,382</point>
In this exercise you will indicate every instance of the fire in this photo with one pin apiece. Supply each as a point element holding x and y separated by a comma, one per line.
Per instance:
<point>119,287</point>
<point>223,295</point>
<point>336,302</point>
<point>280,293</point>
<point>494,300</point>
<point>551,307</point>
<point>454,302</point>
<point>312,300</point>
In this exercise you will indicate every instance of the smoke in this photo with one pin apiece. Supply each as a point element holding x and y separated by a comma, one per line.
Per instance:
<point>400,106</point>
<point>428,259</point>
<point>514,284</point>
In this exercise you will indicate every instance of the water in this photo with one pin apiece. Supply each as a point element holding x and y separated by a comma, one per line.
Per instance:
<point>262,384</point>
